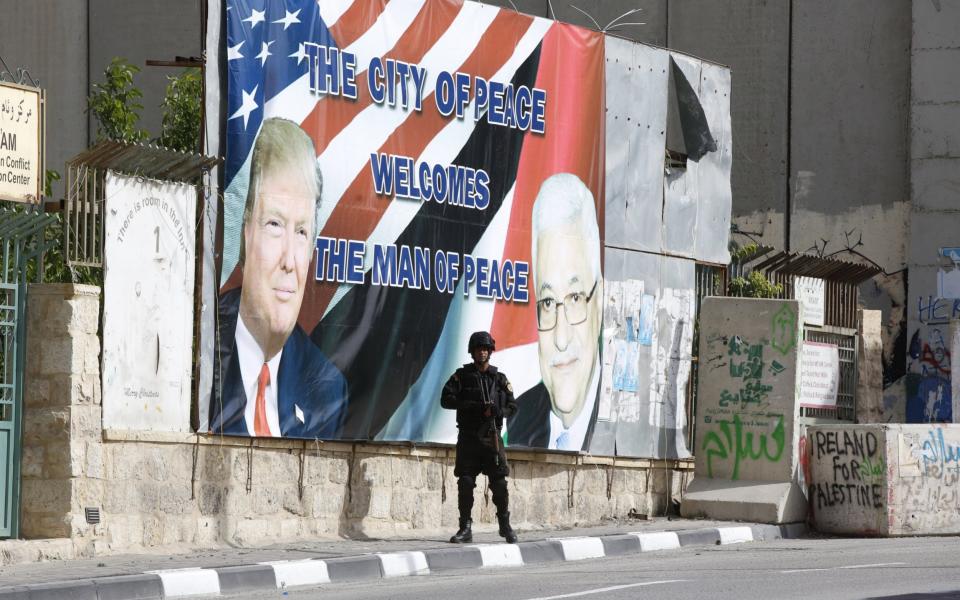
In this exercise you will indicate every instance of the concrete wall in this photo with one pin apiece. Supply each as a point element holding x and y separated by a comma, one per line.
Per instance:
<point>821,116</point>
<point>132,30</point>
<point>820,111</point>
<point>49,38</point>
<point>935,195</point>
<point>847,482</point>
<point>67,45</point>
<point>888,480</point>
<point>752,38</point>
<point>747,401</point>
<point>870,407</point>
<point>181,490</point>
<point>747,412</point>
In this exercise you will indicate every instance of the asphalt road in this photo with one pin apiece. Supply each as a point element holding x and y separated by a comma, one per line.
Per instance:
<point>825,569</point>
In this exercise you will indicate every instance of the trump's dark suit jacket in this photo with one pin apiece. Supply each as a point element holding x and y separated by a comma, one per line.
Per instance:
<point>306,379</point>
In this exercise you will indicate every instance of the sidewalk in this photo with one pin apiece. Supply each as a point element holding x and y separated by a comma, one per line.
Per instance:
<point>233,570</point>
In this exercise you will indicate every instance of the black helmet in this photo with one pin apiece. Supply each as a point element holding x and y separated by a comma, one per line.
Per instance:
<point>481,339</point>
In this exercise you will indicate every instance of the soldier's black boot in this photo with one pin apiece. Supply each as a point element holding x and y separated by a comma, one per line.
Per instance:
<point>506,531</point>
<point>463,535</point>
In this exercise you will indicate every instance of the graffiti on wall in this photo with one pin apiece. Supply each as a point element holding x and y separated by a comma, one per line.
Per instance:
<point>929,484</point>
<point>742,425</point>
<point>939,457</point>
<point>738,444</point>
<point>855,472</point>
<point>929,397</point>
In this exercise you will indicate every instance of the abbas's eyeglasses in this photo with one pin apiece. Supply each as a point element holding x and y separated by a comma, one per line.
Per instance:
<point>574,309</point>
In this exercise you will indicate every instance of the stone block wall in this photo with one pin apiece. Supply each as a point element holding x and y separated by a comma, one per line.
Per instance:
<point>870,406</point>
<point>61,463</point>
<point>177,490</point>
<point>208,490</point>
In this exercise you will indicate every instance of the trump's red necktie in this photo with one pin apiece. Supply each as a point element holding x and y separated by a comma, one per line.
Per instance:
<point>260,426</point>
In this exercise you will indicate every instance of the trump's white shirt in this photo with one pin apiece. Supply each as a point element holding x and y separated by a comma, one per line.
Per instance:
<point>251,360</point>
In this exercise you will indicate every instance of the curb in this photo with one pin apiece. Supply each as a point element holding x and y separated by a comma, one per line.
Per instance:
<point>180,583</point>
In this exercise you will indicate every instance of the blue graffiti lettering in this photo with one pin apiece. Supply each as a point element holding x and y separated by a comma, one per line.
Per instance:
<point>936,452</point>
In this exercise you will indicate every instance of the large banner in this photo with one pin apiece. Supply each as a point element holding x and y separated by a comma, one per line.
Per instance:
<point>397,176</point>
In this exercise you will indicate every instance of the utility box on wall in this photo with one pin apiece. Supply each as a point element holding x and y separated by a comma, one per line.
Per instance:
<point>884,480</point>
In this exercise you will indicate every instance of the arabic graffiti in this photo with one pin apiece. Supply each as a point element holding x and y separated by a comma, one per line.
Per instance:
<point>939,456</point>
<point>749,369</point>
<point>738,441</point>
<point>784,330</point>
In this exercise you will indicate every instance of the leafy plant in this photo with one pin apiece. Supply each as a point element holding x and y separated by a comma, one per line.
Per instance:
<point>739,253</point>
<point>55,269</point>
<point>754,285</point>
<point>181,112</point>
<point>115,104</point>
<point>49,177</point>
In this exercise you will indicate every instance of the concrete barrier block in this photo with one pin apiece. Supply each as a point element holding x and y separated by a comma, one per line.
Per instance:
<point>294,573</point>
<point>454,558</point>
<point>615,545</point>
<point>542,551</point>
<point>354,568</point>
<point>235,580</point>
<point>129,587</point>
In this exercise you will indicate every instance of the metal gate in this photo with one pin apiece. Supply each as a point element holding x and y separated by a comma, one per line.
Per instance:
<point>845,339</point>
<point>22,244</point>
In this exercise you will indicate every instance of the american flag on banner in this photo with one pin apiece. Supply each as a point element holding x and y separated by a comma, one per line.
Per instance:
<point>397,346</point>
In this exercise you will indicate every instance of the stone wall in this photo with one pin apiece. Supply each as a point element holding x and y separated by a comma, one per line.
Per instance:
<point>168,489</point>
<point>207,490</point>
<point>870,407</point>
<point>61,465</point>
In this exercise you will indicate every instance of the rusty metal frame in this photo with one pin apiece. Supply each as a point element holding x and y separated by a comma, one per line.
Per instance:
<point>710,280</point>
<point>842,281</point>
<point>83,222</point>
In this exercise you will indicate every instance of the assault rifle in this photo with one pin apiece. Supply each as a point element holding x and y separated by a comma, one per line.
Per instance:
<point>490,413</point>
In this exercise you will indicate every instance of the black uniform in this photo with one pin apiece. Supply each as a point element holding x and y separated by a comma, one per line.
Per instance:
<point>482,400</point>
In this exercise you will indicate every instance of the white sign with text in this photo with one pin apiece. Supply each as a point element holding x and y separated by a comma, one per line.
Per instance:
<point>148,304</point>
<point>809,291</point>
<point>21,143</point>
<point>819,375</point>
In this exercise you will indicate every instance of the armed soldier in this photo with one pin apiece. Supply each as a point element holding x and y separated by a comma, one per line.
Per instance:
<point>482,397</point>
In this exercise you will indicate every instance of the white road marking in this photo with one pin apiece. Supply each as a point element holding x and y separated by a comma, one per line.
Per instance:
<point>846,567</point>
<point>608,589</point>
<point>191,581</point>
<point>290,573</point>
<point>661,540</point>
<point>579,548</point>
<point>735,535</point>
<point>499,555</point>
<point>401,564</point>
